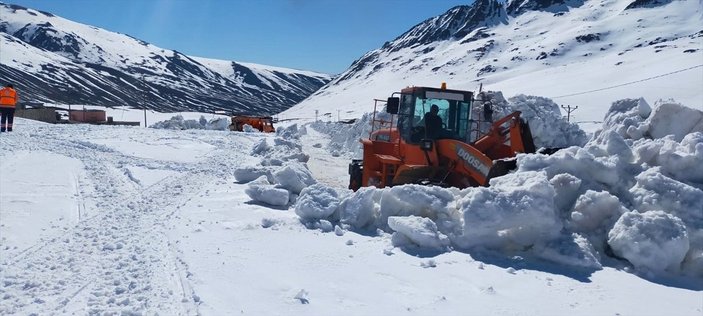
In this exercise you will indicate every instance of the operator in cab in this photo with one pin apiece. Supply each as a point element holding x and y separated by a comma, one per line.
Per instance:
<point>433,123</point>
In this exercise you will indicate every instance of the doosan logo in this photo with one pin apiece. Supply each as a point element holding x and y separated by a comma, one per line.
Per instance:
<point>472,161</point>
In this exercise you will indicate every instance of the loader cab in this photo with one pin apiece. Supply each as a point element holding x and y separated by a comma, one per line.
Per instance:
<point>414,104</point>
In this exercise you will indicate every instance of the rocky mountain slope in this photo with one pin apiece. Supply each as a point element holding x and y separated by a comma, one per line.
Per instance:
<point>51,59</point>
<point>551,48</point>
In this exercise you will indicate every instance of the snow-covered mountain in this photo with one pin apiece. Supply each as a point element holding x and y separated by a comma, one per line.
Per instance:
<point>52,59</point>
<point>622,48</point>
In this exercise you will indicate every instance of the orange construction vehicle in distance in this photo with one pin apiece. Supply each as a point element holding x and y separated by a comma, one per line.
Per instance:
<point>262,123</point>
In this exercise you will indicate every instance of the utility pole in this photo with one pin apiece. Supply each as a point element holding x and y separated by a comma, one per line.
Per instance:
<point>144,100</point>
<point>316,115</point>
<point>569,109</point>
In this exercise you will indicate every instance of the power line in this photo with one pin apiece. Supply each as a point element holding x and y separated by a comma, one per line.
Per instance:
<point>628,83</point>
<point>593,122</point>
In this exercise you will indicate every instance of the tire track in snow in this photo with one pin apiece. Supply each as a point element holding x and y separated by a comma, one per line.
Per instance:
<point>104,241</point>
<point>119,259</point>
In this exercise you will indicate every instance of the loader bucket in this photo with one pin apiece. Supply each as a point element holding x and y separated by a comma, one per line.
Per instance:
<point>501,167</point>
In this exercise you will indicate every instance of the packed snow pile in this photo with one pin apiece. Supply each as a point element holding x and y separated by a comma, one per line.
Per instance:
<point>317,202</point>
<point>495,216</point>
<point>549,128</point>
<point>282,173</point>
<point>417,231</point>
<point>286,147</point>
<point>262,190</point>
<point>344,138</point>
<point>179,123</point>
<point>634,191</point>
<point>654,240</point>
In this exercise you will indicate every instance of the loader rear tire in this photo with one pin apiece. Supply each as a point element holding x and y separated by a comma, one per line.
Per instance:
<point>356,173</point>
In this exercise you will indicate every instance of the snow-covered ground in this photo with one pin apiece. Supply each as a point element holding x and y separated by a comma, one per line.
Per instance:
<point>113,219</point>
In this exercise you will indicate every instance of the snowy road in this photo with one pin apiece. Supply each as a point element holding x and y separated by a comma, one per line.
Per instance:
<point>109,220</point>
<point>324,166</point>
<point>111,252</point>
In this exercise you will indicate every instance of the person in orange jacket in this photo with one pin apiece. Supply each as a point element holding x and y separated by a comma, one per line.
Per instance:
<point>8,100</point>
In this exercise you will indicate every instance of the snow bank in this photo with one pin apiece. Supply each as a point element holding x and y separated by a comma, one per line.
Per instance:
<point>294,177</point>
<point>655,191</point>
<point>316,202</point>
<point>282,173</point>
<point>566,186</point>
<point>625,116</point>
<point>247,174</point>
<point>680,160</point>
<point>286,147</point>
<point>634,119</point>
<point>674,119</point>
<point>594,214</point>
<point>693,263</point>
<point>289,132</point>
<point>260,147</point>
<point>358,210</point>
<point>515,212</point>
<point>417,200</point>
<point>636,187</point>
<point>549,128</point>
<point>597,169</point>
<point>645,160</point>
<point>513,215</point>
<point>344,138</point>
<point>177,122</point>
<point>417,231</point>
<point>262,191</point>
<point>569,249</point>
<point>653,240</point>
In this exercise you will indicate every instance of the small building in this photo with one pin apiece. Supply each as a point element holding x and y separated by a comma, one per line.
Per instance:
<point>43,114</point>
<point>53,114</point>
<point>87,116</point>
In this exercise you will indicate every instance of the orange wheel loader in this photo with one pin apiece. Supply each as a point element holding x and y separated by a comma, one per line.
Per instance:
<point>461,151</point>
<point>262,123</point>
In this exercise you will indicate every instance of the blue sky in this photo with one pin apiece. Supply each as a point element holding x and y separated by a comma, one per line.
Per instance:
<point>319,35</point>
